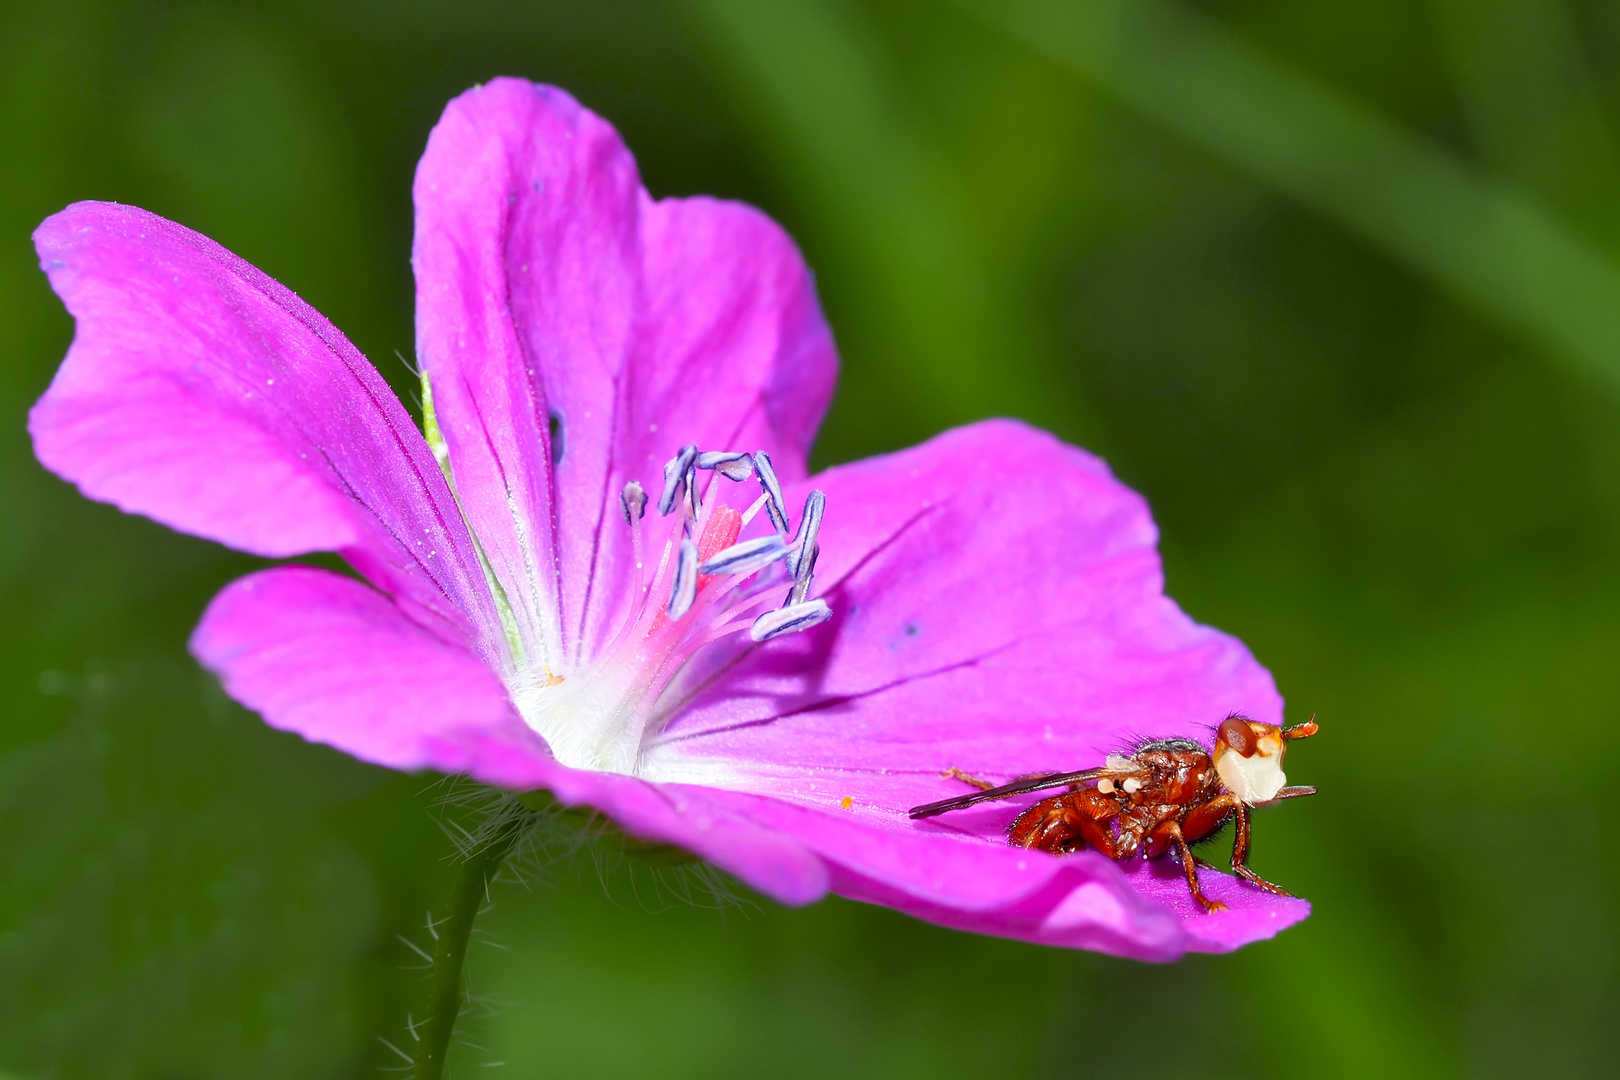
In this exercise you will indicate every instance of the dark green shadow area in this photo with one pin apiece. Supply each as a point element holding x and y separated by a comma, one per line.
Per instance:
<point>1405,504</point>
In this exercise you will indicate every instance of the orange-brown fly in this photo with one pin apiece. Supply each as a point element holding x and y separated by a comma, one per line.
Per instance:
<point>1166,793</point>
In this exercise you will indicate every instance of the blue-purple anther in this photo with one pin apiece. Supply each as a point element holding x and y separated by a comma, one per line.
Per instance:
<point>775,505</point>
<point>801,577</point>
<point>742,559</point>
<point>791,619</point>
<point>815,504</point>
<point>675,477</point>
<point>731,465</point>
<point>746,557</point>
<point>684,589</point>
<point>633,502</point>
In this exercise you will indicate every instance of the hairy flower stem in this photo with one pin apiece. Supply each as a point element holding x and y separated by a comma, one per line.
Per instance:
<point>466,898</point>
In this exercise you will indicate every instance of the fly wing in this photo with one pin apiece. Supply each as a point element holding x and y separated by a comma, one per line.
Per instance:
<point>1007,791</point>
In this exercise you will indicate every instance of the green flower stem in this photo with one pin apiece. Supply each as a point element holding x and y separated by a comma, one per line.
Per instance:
<point>466,898</point>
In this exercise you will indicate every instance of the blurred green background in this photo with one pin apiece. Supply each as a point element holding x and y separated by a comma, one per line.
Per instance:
<point>1335,285</point>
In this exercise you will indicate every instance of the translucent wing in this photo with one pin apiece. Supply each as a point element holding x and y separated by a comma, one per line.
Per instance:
<point>1007,791</point>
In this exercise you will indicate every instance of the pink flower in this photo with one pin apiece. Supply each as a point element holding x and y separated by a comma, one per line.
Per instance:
<point>995,596</point>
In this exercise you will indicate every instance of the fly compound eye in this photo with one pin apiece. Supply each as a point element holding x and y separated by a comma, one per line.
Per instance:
<point>1234,734</point>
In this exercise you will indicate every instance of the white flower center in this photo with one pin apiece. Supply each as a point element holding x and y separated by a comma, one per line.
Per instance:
<point>599,717</point>
<point>705,586</point>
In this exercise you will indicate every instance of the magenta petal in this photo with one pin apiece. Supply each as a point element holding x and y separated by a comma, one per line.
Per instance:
<point>700,821</point>
<point>337,662</point>
<point>201,393</point>
<point>998,608</point>
<point>997,596</point>
<point>1081,901</point>
<point>1084,901</point>
<point>998,605</point>
<point>553,293</point>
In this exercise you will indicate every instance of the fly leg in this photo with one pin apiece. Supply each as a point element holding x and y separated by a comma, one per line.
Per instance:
<point>1189,864</point>
<point>1097,836</point>
<point>1206,819</point>
<point>1066,823</point>
<point>1203,821</point>
<point>953,773</point>
<point>1240,856</point>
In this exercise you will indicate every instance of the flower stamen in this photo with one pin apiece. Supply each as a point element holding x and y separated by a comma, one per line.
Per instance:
<point>789,619</point>
<point>801,579</point>
<point>775,504</point>
<point>754,509</point>
<point>746,557</point>
<point>675,476</point>
<point>683,590</point>
<point>715,585</point>
<point>732,465</point>
<point>815,504</point>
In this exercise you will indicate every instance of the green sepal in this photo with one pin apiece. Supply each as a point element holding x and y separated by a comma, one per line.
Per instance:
<point>441,453</point>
